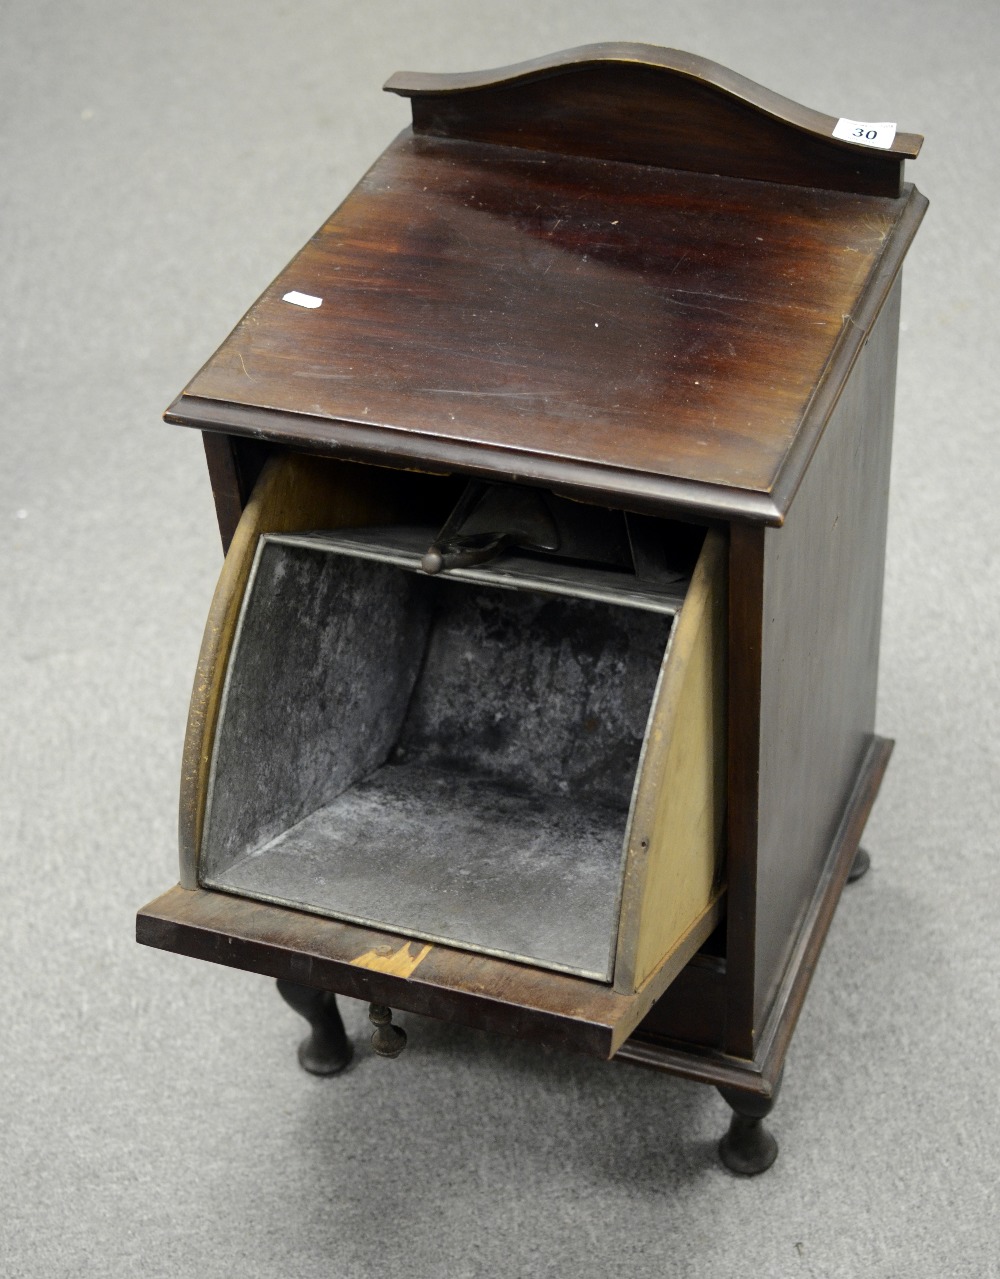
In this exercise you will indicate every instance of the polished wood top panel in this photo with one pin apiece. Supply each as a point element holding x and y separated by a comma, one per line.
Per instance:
<point>655,106</point>
<point>533,315</point>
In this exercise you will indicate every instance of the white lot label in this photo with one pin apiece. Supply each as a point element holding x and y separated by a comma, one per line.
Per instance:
<point>302,299</point>
<point>865,133</point>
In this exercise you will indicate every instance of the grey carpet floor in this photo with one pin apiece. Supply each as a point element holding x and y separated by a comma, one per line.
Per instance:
<point>158,164</point>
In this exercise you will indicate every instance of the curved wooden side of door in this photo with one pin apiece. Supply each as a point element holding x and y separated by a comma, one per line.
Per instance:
<point>674,863</point>
<point>294,493</point>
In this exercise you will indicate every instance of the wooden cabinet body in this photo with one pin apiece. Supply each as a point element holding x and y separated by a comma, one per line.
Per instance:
<point>630,279</point>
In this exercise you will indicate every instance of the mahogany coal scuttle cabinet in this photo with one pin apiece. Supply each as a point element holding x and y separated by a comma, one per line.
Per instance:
<point>538,689</point>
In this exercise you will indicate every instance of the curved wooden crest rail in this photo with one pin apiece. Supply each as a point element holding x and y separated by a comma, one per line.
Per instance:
<point>653,106</point>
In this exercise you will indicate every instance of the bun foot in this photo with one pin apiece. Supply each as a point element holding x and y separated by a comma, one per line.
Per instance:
<point>327,1050</point>
<point>859,867</point>
<point>748,1148</point>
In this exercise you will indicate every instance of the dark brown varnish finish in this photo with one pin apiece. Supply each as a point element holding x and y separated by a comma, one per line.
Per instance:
<point>634,277</point>
<point>478,990</point>
<point>233,467</point>
<point>574,322</point>
<point>652,106</point>
<point>822,612</point>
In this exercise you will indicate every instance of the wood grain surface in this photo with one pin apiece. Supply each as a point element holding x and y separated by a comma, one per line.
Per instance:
<point>822,615</point>
<point>477,990</point>
<point>602,326</point>
<point>649,105</point>
<point>676,835</point>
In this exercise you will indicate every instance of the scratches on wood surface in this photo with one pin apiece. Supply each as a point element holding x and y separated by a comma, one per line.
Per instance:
<point>399,963</point>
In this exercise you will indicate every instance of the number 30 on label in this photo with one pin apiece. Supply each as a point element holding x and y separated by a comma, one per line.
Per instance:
<point>865,133</point>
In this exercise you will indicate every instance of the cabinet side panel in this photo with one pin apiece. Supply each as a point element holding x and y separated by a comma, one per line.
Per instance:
<point>821,625</point>
<point>746,611</point>
<point>233,468</point>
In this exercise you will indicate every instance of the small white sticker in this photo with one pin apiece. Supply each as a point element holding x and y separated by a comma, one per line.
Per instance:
<point>866,134</point>
<point>302,299</point>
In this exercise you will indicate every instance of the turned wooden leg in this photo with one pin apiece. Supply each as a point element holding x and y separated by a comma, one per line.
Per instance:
<point>860,866</point>
<point>327,1050</point>
<point>389,1040</point>
<point>748,1148</point>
